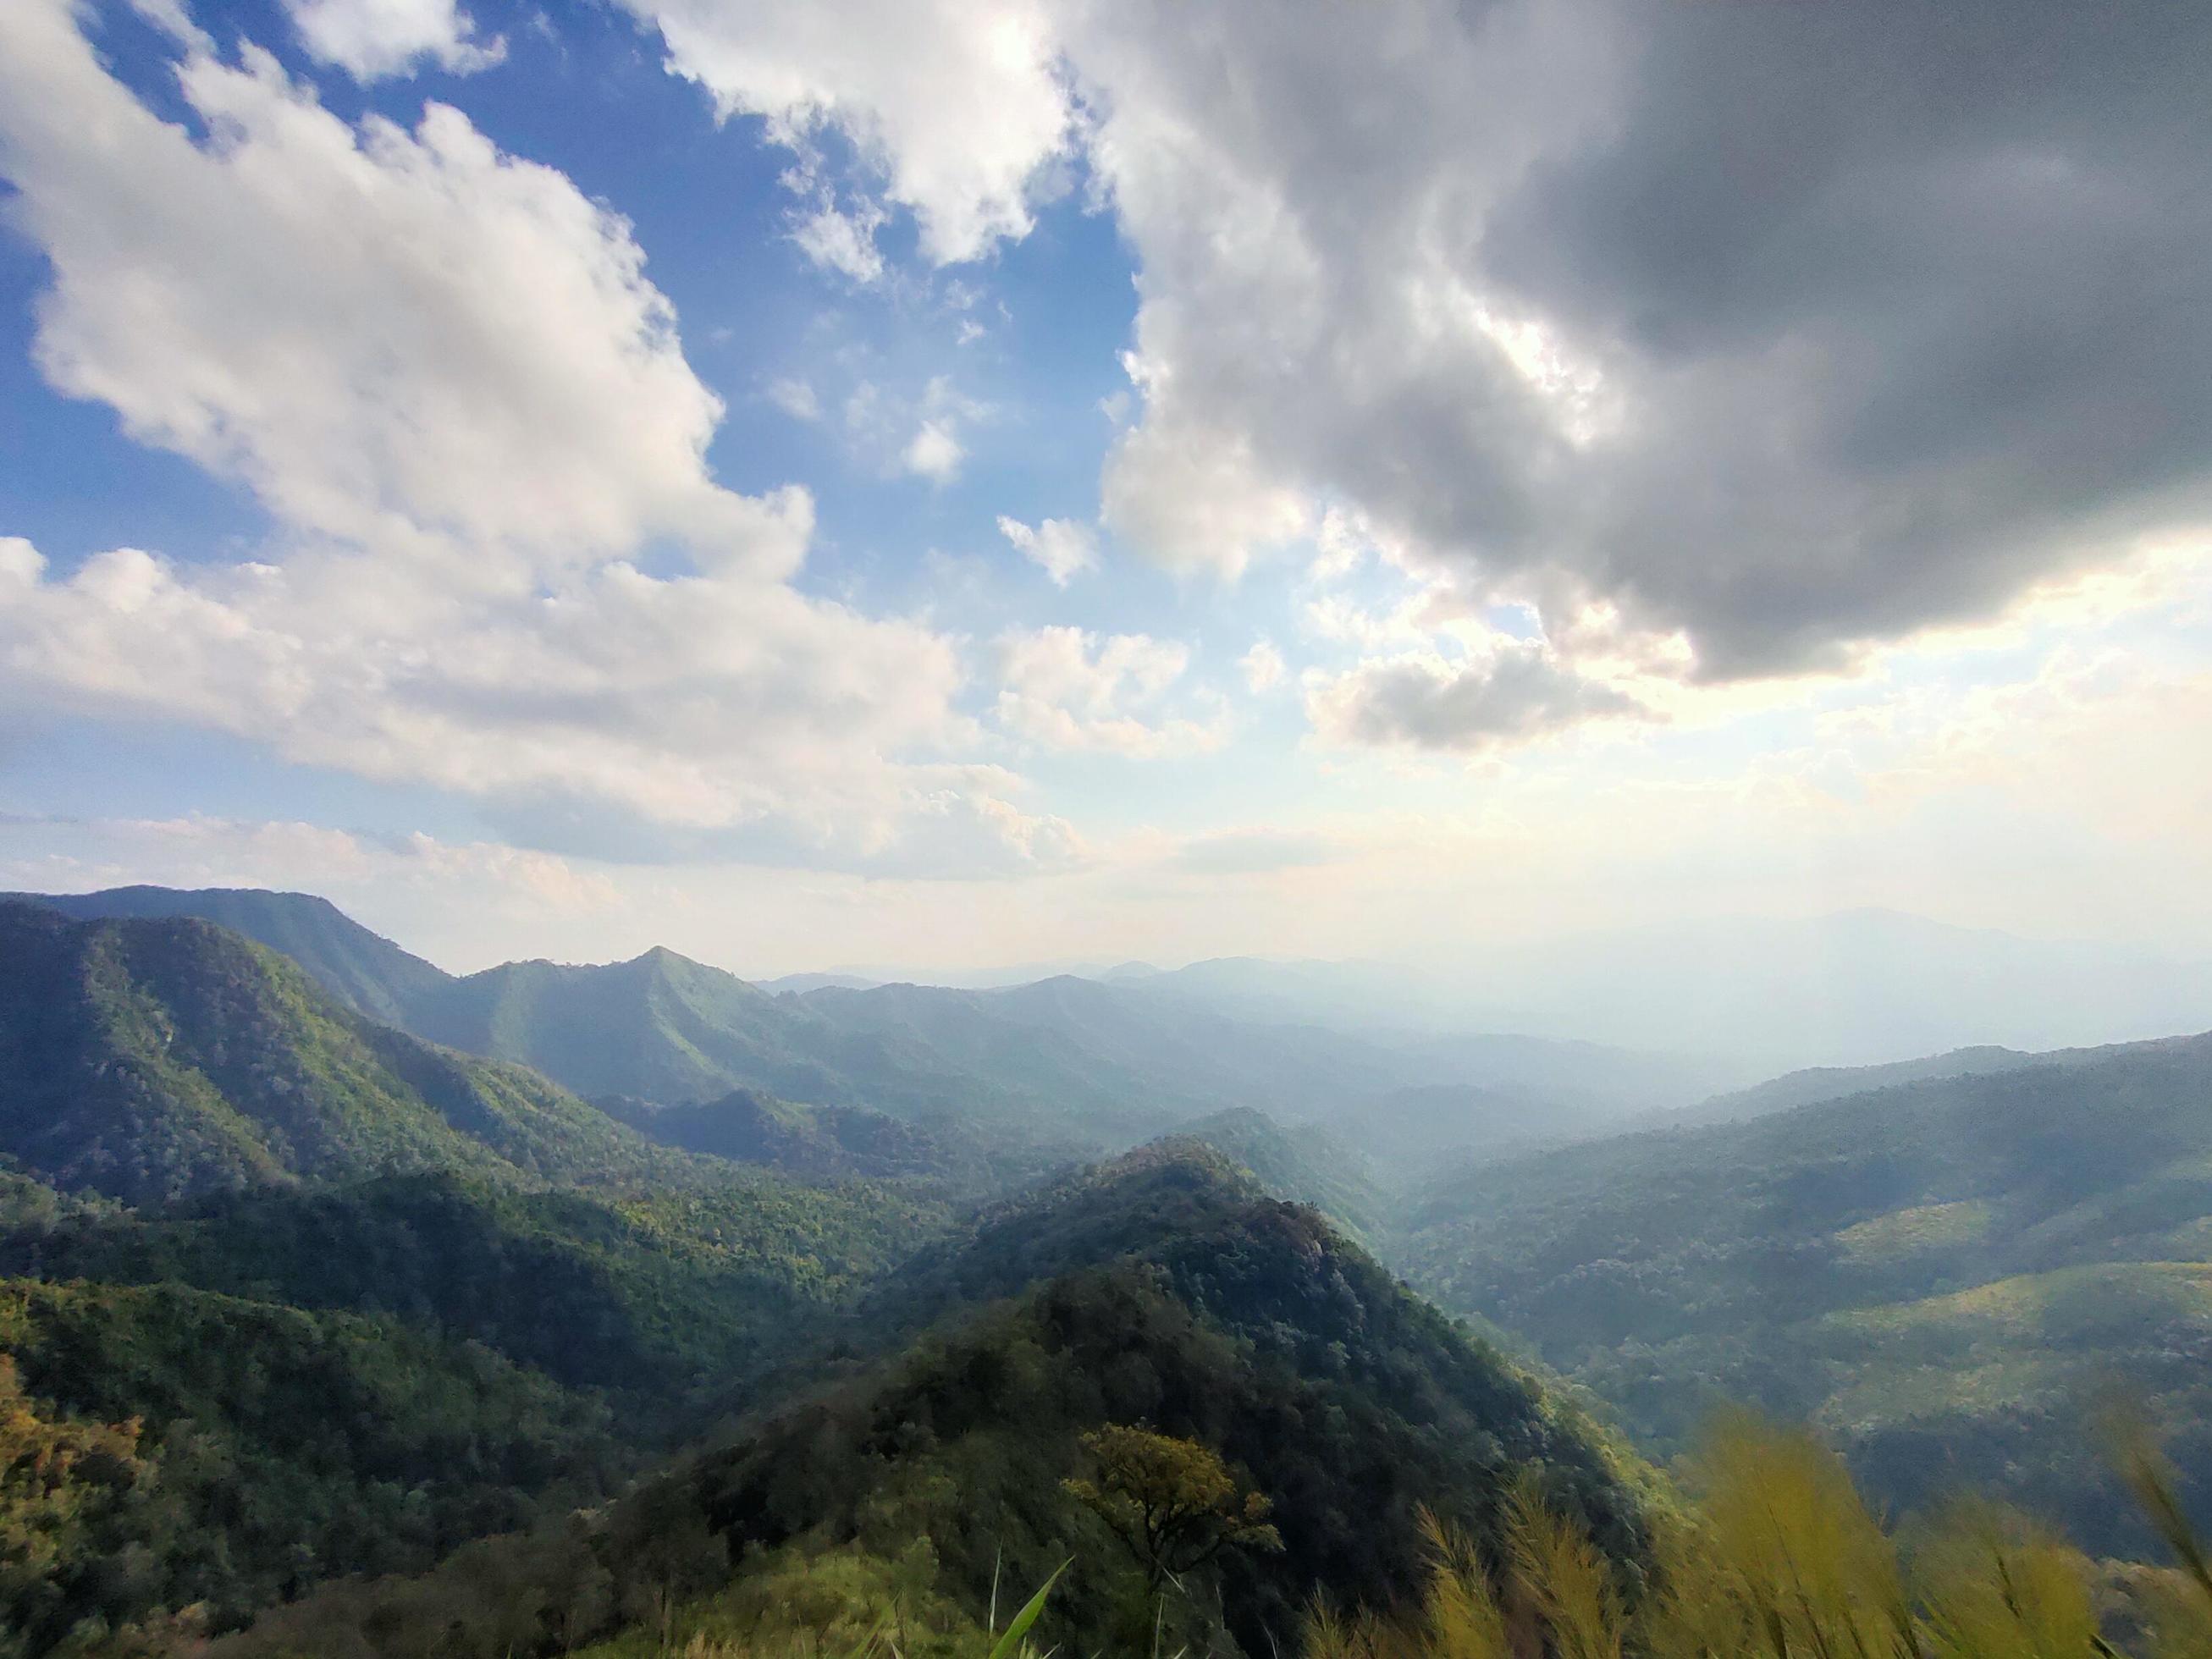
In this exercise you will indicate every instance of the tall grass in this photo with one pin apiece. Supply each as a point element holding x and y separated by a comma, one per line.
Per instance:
<point>1777,1556</point>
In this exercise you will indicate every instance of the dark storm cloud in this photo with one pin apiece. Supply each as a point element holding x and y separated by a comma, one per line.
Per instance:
<point>1880,313</point>
<point>1422,702</point>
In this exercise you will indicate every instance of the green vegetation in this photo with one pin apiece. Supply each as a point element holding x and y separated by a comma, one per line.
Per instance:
<point>1178,1301</point>
<point>316,1339</point>
<point>150,1060</point>
<point>169,1448</point>
<point>1949,1276</point>
<point>1776,1557</point>
<point>1767,1552</point>
<point>1173,1502</point>
<point>656,1295</point>
<point>821,1143</point>
<point>1306,1165</point>
<point>366,972</point>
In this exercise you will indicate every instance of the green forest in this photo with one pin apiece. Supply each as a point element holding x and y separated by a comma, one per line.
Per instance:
<point>320,1337</point>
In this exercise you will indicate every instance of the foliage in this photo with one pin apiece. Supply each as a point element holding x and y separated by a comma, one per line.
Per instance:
<point>1223,1319</point>
<point>1173,1502</point>
<point>168,1447</point>
<point>367,973</point>
<point>1779,1558</point>
<point>1944,1275</point>
<point>826,1143</point>
<point>658,1294</point>
<point>148,1059</point>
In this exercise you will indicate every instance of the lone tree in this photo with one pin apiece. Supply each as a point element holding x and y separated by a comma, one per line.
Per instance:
<point>1173,1502</point>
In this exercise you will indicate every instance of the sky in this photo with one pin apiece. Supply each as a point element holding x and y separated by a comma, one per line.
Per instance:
<point>887,481</point>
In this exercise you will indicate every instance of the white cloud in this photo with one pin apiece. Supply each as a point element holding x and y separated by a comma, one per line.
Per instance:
<point>1066,688</point>
<point>934,454</point>
<point>446,374</point>
<point>796,398</point>
<point>372,38</point>
<point>956,106</point>
<point>840,239</point>
<point>358,324</point>
<point>693,701</point>
<point>1263,668</point>
<point>935,451</point>
<point>1062,548</point>
<point>1197,501</point>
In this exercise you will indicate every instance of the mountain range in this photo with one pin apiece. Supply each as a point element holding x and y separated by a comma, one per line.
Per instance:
<point>1065,1065</point>
<point>1958,1262</point>
<point>317,1266</point>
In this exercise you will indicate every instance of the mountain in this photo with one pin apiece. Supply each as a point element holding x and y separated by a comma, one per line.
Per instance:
<point>1072,1064</point>
<point>659,1026</point>
<point>147,1059</point>
<point>365,971</point>
<point>1963,1264</point>
<point>816,1142</point>
<point>653,1295</point>
<point>1300,1163</point>
<point>1163,1297</point>
<point>1136,1062</point>
<point>1818,1083</point>
<point>1415,1131</point>
<point>1821,1083</point>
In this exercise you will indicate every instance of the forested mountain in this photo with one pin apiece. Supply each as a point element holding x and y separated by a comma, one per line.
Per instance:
<point>652,1293</point>
<point>1164,1296</point>
<point>1945,1274</point>
<point>170,1448</point>
<point>150,1059</point>
<point>820,1142</point>
<point>1064,1064</point>
<point>289,1295</point>
<point>364,970</point>
<point>1303,1163</point>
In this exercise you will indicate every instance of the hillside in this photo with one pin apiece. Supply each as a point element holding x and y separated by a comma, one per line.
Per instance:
<point>653,1295</point>
<point>365,971</point>
<point>1058,1068</point>
<point>1306,1165</point>
<point>1163,1292</point>
<point>151,1059</point>
<point>818,1143</point>
<point>224,1452</point>
<point>1848,1260</point>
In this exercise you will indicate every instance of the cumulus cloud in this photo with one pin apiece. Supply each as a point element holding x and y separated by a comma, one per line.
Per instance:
<point>1775,330</point>
<point>1068,688</point>
<point>955,106</point>
<point>1262,666</point>
<point>359,325</point>
<point>446,373</point>
<point>695,702</point>
<point>1061,547</point>
<point>373,39</point>
<point>1513,691</point>
<point>934,453</point>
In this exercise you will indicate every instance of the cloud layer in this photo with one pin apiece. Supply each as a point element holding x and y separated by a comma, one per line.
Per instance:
<point>501,564</point>
<point>1775,330</point>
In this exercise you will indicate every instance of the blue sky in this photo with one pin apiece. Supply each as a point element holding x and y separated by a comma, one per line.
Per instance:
<point>558,479</point>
